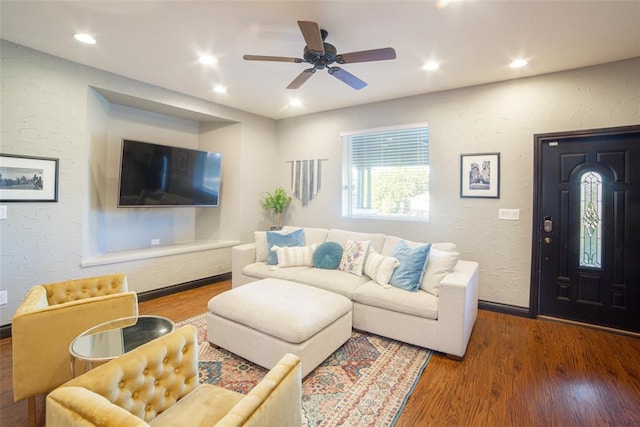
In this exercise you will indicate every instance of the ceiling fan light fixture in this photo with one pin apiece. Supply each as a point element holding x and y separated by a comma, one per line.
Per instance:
<point>84,38</point>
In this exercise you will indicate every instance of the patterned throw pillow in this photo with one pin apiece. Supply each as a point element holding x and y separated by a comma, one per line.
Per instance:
<point>380,267</point>
<point>413,262</point>
<point>295,256</point>
<point>274,238</point>
<point>353,256</point>
<point>327,256</point>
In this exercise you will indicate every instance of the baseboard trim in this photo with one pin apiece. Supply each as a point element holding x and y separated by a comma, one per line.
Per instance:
<point>505,309</point>
<point>5,330</point>
<point>180,287</point>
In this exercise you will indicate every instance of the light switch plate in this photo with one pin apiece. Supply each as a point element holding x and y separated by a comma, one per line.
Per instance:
<point>509,214</point>
<point>3,212</point>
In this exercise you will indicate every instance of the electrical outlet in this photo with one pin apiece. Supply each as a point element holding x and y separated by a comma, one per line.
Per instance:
<point>4,297</point>
<point>155,242</point>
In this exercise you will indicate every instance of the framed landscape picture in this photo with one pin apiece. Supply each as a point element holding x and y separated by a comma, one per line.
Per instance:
<point>28,179</point>
<point>480,175</point>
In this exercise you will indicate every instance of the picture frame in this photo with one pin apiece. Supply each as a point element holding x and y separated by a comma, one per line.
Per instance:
<point>28,179</point>
<point>480,175</point>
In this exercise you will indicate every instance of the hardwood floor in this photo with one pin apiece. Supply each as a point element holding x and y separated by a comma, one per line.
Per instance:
<point>517,372</point>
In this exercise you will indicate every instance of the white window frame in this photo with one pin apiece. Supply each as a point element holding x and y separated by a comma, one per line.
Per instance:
<point>348,208</point>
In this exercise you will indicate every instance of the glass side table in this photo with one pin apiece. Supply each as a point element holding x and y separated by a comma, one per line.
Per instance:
<point>111,339</point>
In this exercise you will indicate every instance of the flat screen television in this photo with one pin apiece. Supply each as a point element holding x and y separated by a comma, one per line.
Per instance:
<point>154,175</point>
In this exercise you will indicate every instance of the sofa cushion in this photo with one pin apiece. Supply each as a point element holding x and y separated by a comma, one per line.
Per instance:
<point>311,234</point>
<point>380,267</point>
<point>354,256</point>
<point>413,261</point>
<point>295,256</point>
<point>420,303</point>
<point>260,270</point>
<point>439,264</point>
<point>281,239</point>
<point>330,280</point>
<point>327,256</point>
<point>341,237</point>
<point>391,242</point>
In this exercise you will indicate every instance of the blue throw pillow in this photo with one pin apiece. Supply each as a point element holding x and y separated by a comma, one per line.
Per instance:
<point>327,256</point>
<point>295,238</point>
<point>413,262</point>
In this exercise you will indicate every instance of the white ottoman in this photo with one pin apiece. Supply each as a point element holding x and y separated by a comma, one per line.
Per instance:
<point>264,320</point>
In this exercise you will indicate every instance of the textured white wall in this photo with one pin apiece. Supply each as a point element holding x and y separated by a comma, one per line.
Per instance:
<point>500,117</point>
<point>49,109</point>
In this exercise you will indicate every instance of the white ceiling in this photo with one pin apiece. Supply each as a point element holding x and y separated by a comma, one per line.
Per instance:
<point>159,42</point>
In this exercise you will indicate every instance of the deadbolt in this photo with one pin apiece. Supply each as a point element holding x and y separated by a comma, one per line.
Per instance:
<point>548,224</point>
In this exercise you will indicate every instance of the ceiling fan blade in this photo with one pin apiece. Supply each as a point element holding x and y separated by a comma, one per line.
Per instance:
<point>366,55</point>
<point>302,77</point>
<point>271,58</point>
<point>313,38</point>
<point>347,77</point>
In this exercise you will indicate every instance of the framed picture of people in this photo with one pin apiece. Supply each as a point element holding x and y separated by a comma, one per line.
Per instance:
<point>480,175</point>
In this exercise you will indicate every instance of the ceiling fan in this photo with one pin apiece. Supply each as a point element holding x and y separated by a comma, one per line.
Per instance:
<point>322,55</point>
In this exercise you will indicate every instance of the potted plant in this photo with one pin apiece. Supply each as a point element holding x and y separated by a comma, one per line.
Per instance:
<point>277,202</point>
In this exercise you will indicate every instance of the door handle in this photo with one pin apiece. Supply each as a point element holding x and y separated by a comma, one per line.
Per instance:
<point>547,240</point>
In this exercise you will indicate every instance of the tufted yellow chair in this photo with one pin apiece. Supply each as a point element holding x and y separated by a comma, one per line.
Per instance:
<point>157,385</point>
<point>53,315</point>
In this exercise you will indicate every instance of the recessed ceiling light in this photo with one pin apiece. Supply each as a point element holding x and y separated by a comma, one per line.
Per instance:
<point>219,89</point>
<point>84,38</point>
<point>519,63</point>
<point>207,60</point>
<point>430,66</point>
<point>295,103</point>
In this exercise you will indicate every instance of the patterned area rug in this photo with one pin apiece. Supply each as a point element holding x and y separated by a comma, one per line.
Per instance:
<point>366,382</point>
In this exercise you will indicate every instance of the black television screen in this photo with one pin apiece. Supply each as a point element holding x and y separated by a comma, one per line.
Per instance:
<point>153,175</point>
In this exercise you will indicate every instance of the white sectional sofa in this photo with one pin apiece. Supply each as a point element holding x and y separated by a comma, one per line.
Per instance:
<point>440,319</point>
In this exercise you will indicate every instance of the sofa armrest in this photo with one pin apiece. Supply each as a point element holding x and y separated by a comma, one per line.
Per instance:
<point>77,406</point>
<point>275,401</point>
<point>241,255</point>
<point>458,306</point>
<point>53,328</point>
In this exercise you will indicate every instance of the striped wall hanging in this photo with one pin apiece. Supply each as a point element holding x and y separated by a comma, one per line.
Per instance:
<point>306,179</point>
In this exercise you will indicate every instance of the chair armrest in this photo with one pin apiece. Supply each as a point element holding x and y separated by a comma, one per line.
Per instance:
<point>241,256</point>
<point>77,406</point>
<point>458,306</point>
<point>41,338</point>
<point>275,401</point>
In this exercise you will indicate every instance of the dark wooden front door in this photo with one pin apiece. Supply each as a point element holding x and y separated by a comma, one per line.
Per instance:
<point>587,227</point>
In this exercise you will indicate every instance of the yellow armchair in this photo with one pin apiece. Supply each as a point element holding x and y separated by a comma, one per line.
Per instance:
<point>157,384</point>
<point>53,315</point>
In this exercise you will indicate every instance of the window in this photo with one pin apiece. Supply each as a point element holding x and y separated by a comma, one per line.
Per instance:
<point>591,220</point>
<point>386,173</point>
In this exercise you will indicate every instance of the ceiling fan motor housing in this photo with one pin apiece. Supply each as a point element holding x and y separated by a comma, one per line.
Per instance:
<point>320,61</point>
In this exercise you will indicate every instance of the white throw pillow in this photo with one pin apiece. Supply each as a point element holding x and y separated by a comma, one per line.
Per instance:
<point>295,256</point>
<point>439,264</point>
<point>380,267</point>
<point>353,256</point>
<point>262,250</point>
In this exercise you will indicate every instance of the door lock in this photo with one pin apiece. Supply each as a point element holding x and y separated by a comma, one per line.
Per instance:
<point>548,224</point>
